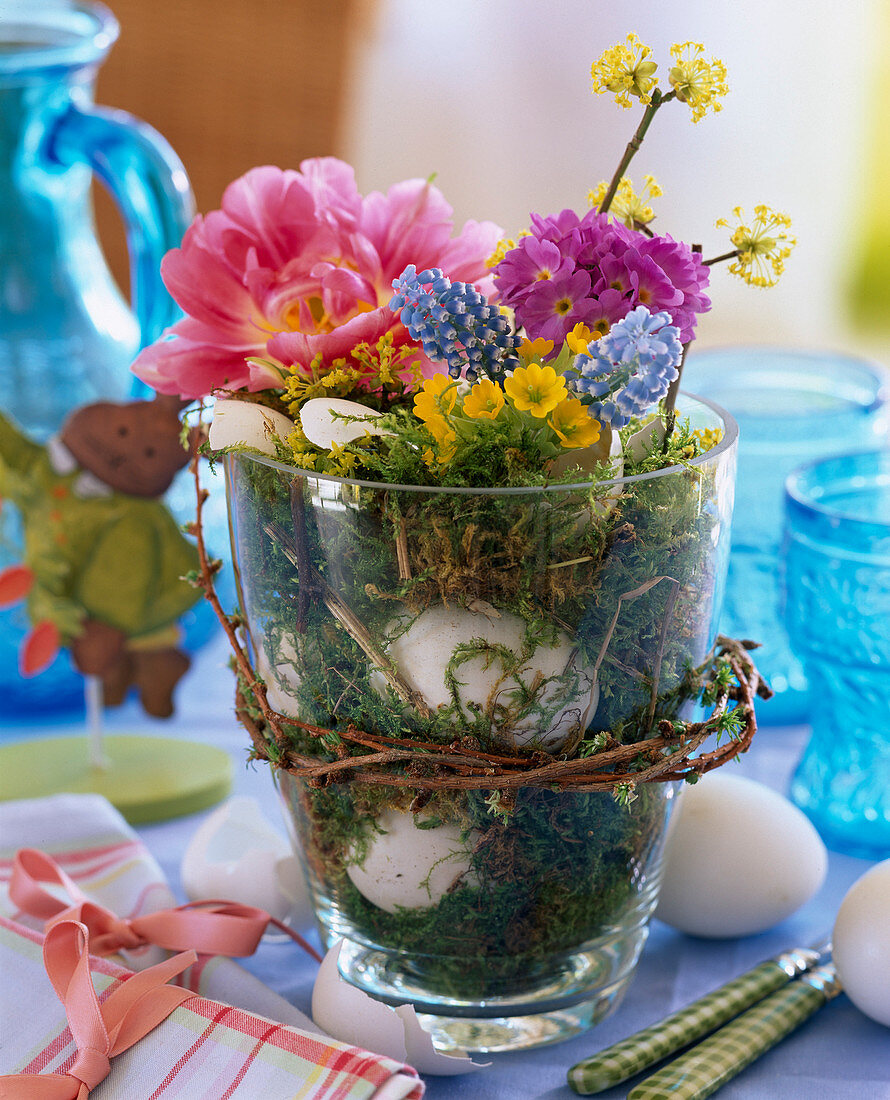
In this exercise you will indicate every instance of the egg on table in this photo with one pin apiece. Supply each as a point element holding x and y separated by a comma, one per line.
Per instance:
<point>559,706</point>
<point>739,858</point>
<point>861,943</point>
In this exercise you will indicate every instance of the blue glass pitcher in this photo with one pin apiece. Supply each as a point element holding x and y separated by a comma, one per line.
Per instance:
<point>67,337</point>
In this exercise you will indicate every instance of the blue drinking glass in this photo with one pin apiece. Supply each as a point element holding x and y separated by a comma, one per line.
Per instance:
<point>67,337</point>
<point>837,567</point>
<point>791,407</point>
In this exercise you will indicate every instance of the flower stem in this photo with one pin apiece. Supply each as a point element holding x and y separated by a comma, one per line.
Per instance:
<point>719,259</point>
<point>633,145</point>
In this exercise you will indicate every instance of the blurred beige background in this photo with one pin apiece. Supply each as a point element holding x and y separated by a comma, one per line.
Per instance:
<point>494,97</point>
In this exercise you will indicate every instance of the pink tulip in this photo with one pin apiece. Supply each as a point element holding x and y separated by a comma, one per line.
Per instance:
<point>296,265</point>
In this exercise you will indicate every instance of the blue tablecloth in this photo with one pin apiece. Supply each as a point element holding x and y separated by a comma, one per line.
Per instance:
<point>838,1055</point>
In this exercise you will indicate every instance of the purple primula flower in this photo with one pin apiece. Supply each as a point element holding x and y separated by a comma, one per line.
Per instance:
<point>657,272</point>
<point>554,307</point>
<point>632,366</point>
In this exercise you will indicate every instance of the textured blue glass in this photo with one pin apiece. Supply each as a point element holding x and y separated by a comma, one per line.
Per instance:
<point>66,335</point>
<point>837,556</point>
<point>792,407</point>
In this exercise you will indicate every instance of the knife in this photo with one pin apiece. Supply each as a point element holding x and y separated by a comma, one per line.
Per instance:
<point>630,1056</point>
<point>705,1068</point>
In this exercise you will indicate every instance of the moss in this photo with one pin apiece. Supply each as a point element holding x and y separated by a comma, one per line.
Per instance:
<point>331,573</point>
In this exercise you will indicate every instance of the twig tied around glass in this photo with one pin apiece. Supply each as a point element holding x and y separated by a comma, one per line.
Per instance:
<point>425,767</point>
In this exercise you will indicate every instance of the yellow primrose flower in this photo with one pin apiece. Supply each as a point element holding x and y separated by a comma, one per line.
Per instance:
<point>536,389</point>
<point>436,397</point>
<point>534,349</point>
<point>627,206</point>
<point>696,81</point>
<point>580,337</point>
<point>484,401</point>
<point>626,71</point>
<point>763,246</point>
<point>573,424</point>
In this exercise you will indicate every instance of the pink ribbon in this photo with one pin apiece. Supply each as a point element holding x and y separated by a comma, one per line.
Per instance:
<point>99,1031</point>
<point>212,927</point>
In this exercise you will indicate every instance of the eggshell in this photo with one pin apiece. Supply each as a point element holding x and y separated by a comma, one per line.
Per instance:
<point>739,858</point>
<point>351,1016</point>
<point>422,654</point>
<point>248,424</point>
<point>861,943</point>
<point>410,867</point>
<point>321,426</point>
<point>235,854</point>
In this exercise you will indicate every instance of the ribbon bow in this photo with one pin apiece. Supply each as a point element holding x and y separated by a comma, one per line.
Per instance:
<point>212,927</point>
<point>99,1031</point>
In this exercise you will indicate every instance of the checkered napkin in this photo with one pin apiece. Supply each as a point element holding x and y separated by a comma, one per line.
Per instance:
<point>205,1050</point>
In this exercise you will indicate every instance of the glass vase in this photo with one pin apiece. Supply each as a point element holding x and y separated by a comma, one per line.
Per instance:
<point>791,407</point>
<point>432,621</point>
<point>837,558</point>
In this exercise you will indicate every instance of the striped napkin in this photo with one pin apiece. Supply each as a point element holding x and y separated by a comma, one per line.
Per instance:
<point>206,1050</point>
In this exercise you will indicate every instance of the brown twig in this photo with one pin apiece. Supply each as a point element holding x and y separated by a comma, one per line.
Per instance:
<point>426,767</point>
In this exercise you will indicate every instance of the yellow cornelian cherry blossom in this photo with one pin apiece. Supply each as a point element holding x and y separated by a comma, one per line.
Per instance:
<point>627,206</point>
<point>573,424</point>
<point>625,70</point>
<point>580,337</point>
<point>696,81</point>
<point>537,389</point>
<point>505,245</point>
<point>437,396</point>
<point>484,401</point>
<point>763,246</point>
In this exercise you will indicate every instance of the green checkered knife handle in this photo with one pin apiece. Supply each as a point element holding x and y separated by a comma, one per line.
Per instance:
<point>704,1069</point>
<point>622,1060</point>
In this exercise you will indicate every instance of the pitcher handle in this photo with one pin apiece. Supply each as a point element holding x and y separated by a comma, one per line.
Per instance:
<point>151,188</point>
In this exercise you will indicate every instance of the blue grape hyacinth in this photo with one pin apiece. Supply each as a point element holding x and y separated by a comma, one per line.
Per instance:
<point>454,324</point>
<point>630,368</point>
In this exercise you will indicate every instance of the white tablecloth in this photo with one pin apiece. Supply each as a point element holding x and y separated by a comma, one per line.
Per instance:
<point>838,1055</point>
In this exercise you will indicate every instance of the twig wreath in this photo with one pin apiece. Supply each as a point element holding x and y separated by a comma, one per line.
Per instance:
<point>727,680</point>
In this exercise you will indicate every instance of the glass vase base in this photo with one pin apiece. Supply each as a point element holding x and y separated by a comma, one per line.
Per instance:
<point>573,1000</point>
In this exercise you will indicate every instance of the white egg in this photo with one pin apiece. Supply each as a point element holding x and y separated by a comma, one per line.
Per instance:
<point>247,424</point>
<point>423,653</point>
<point>281,678</point>
<point>236,855</point>
<point>861,943</point>
<point>586,459</point>
<point>410,867</point>
<point>739,858</point>
<point>351,1016</point>
<point>321,423</point>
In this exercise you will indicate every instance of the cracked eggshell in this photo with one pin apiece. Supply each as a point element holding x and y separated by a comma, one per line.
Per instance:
<point>739,858</point>
<point>410,867</point>
<point>248,424</point>
<point>235,855</point>
<point>351,1016</point>
<point>861,943</point>
<point>322,428</point>
<point>422,654</point>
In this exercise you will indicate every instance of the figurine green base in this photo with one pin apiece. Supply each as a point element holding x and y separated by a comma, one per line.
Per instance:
<point>146,778</point>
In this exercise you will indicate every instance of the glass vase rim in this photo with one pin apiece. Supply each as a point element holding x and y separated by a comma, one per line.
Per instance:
<point>802,500</point>
<point>93,30</point>
<point>818,357</point>
<point>729,439</point>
